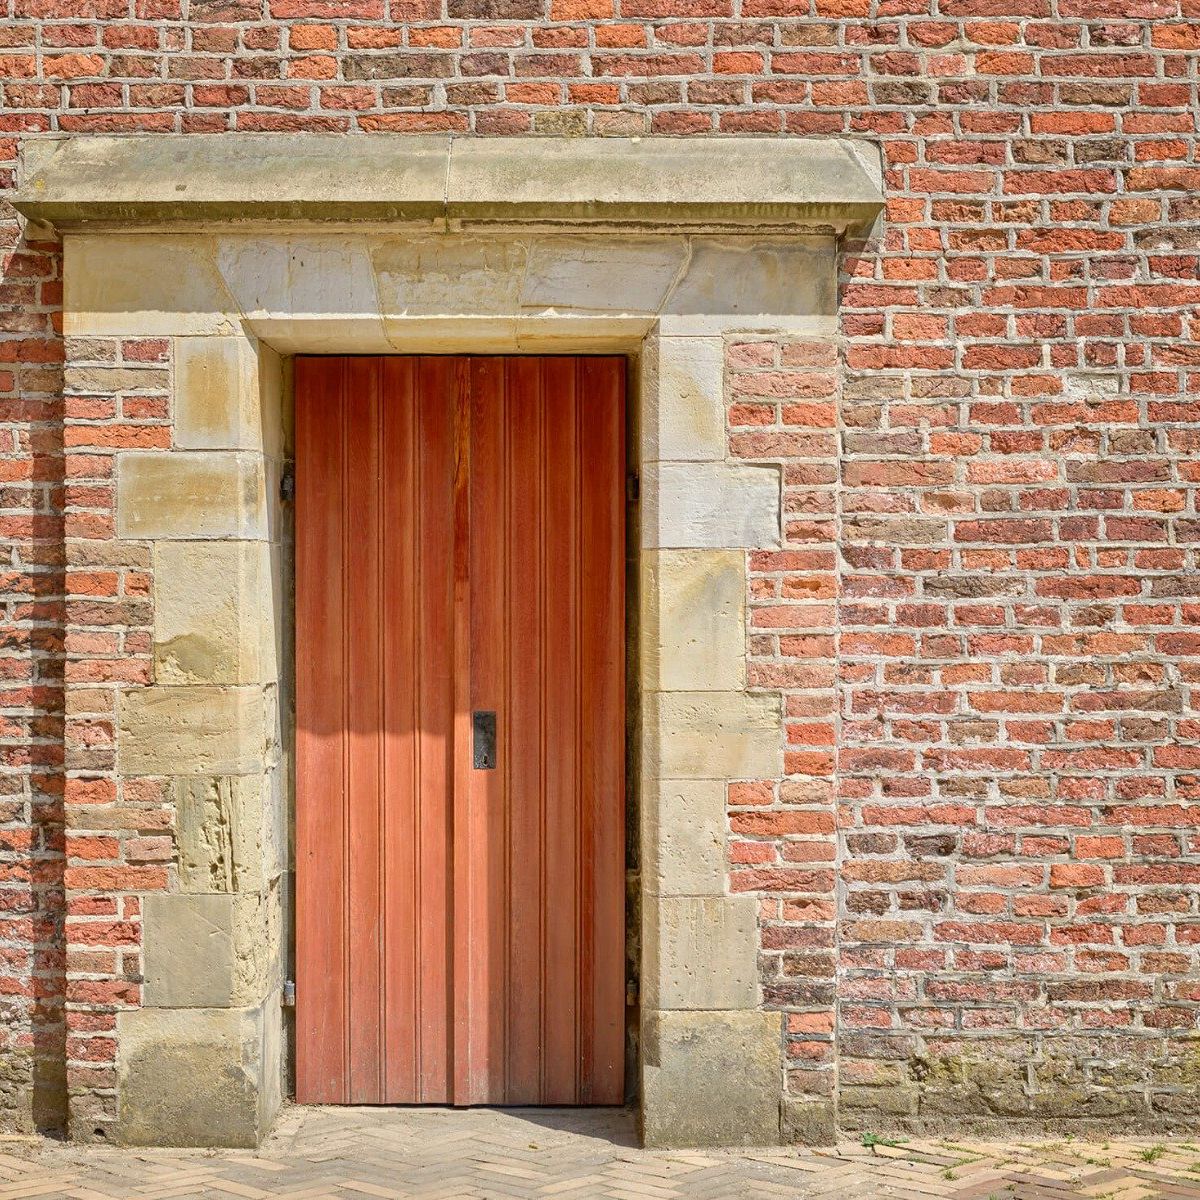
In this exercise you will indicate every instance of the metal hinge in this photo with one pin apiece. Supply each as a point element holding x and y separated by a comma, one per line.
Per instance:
<point>288,999</point>
<point>287,483</point>
<point>633,487</point>
<point>631,993</point>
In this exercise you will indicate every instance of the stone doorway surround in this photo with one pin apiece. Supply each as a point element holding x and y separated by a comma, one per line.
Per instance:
<point>194,267</point>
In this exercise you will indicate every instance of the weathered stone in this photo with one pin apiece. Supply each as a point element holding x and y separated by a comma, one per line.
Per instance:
<point>215,617</point>
<point>700,952</point>
<point>761,284</point>
<point>693,620</point>
<point>713,505</point>
<point>144,285</point>
<point>711,1078</point>
<point>813,181</point>
<point>214,494</point>
<point>712,735</point>
<point>684,836</point>
<point>449,276</point>
<point>313,293</point>
<point>217,394</point>
<point>257,945</point>
<point>188,948</point>
<point>197,1077</point>
<point>683,399</point>
<point>192,731</point>
<point>809,1122</point>
<point>229,832</point>
<point>612,275</point>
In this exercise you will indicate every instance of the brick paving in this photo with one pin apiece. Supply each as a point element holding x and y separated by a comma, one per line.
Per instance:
<point>440,1154</point>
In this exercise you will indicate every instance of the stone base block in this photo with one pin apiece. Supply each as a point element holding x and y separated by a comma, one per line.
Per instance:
<point>810,1122</point>
<point>711,1079</point>
<point>198,1076</point>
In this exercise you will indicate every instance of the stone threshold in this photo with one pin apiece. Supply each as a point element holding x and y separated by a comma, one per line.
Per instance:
<point>73,182</point>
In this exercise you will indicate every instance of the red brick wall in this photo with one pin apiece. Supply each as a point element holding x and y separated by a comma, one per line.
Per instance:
<point>1018,768</point>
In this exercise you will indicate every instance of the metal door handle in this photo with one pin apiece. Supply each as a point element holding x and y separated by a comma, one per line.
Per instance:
<point>483,738</point>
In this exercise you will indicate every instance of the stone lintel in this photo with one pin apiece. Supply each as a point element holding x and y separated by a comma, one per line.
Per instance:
<point>829,183</point>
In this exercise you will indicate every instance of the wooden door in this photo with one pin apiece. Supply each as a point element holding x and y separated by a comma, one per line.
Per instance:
<point>459,569</point>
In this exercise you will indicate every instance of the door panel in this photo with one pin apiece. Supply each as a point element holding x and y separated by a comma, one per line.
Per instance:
<point>374,708</point>
<point>460,931</point>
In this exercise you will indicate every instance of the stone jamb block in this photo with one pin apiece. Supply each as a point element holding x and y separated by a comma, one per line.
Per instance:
<point>213,494</point>
<point>216,613</point>
<point>712,735</point>
<point>692,626</point>
<point>711,1078</point>
<point>188,951</point>
<point>718,506</point>
<point>700,952</point>
<point>194,731</point>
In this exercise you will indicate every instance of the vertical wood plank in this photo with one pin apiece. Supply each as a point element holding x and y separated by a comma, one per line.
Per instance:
<point>404,685</point>
<point>523,765</point>
<point>438,384</point>
<point>487,920</point>
<point>602,753</point>
<point>364,785</point>
<point>321,1061</point>
<point>562,967</point>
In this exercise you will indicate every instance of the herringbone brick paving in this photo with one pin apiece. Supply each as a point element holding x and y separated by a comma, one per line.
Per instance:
<point>439,1154</point>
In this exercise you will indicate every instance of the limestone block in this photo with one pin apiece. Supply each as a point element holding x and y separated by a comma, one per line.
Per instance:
<point>229,832</point>
<point>144,285</point>
<point>449,276</point>
<point>714,505</point>
<point>712,735</point>
<point>215,615</point>
<point>305,287</point>
<point>218,396</point>
<point>683,406</point>
<point>809,1122</point>
<point>192,731</point>
<point>257,945</point>
<point>700,952</point>
<point>188,949</point>
<point>711,1078</point>
<point>693,620</point>
<point>319,274</point>
<point>618,275</point>
<point>754,284</point>
<point>683,836</point>
<point>196,1076</point>
<point>211,494</point>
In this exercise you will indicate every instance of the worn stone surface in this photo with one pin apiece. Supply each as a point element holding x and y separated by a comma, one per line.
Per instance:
<point>188,951</point>
<point>683,399</point>
<point>258,944</point>
<point>193,731</point>
<point>611,275</point>
<point>700,952</point>
<point>711,735</point>
<point>826,181</point>
<point>217,396</point>
<point>194,1077</point>
<point>216,617</point>
<point>683,838</point>
<point>692,627</point>
<point>229,832</point>
<point>711,1078</point>
<point>212,494</point>
<point>714,505</point>
<point>144,285</point>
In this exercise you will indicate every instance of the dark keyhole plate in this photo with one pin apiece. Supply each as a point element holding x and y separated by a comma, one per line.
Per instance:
<point>483,731</point>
